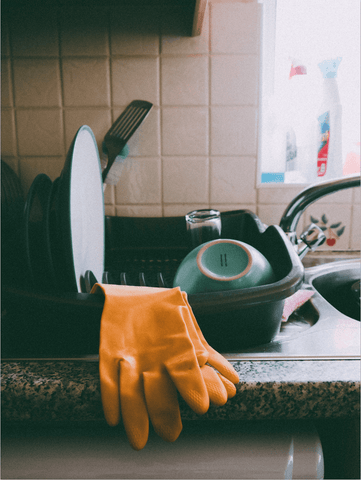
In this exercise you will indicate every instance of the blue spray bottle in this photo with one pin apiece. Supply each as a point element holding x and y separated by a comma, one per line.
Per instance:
<point>329,153</point>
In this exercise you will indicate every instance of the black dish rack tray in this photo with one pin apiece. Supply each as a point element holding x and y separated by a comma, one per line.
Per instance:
<point>147,252</point>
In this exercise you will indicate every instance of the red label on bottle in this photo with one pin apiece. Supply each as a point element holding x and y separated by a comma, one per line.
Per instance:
<point>322,155</point>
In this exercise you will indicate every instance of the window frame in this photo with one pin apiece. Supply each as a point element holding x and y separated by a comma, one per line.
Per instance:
<point>266,88</point>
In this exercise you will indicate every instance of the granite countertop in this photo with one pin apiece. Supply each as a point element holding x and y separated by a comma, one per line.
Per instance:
<point>70,391</point>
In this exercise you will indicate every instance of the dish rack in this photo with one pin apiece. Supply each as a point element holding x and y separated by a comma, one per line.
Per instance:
<point>147,252</point>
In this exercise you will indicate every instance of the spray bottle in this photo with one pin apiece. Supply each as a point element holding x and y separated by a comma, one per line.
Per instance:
<point>329,154</point>
<point>298,114</point>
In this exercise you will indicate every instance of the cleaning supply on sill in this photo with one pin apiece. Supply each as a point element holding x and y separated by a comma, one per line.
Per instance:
<point>298,116</point>
<point>149,349</point>
<point>329,155</point>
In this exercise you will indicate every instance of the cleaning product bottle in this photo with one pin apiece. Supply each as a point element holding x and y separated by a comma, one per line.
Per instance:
<point>329,154</point>
<point>298,114</point>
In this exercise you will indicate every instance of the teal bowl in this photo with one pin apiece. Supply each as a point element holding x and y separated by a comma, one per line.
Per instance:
<point>223,264</point>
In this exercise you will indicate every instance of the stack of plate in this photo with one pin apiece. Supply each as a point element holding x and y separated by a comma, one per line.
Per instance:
<point>12,208</point>
<point>64,221</point>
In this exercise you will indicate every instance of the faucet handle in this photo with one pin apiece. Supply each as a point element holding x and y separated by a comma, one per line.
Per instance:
<point>310,239</point>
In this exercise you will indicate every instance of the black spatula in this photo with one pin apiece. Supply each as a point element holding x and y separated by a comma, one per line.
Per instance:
<point>123,128</point>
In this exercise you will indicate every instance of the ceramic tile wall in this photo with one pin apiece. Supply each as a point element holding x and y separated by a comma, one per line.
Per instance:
<point>71,66</point>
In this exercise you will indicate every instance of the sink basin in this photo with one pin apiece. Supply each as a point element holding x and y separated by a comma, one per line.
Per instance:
<point>337,283</point>
<point>326,327</point>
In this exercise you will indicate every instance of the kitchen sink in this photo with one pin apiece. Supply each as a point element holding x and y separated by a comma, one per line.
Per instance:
<point>327,326</point>
<point>339,284</point>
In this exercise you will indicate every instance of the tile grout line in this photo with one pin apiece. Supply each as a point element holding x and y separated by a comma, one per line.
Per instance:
<point>111,99</point>
<point>160,121</point>
<point>13,109</point>
<point>62,90</point>
<point>209,105</point>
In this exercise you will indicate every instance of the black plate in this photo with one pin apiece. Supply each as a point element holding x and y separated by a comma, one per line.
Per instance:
<point>37,245</point>
<point>52,236</point>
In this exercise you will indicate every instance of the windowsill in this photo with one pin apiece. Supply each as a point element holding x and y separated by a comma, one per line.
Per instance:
<point>299,186</point>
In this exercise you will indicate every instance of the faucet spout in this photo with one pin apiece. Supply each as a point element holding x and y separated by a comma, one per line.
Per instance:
<point>309,195</point>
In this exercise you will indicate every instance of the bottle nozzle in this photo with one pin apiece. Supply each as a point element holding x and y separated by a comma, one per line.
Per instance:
<point>329,67</point>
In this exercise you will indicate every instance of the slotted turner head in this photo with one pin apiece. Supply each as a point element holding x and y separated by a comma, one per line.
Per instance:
<point>123,128</point>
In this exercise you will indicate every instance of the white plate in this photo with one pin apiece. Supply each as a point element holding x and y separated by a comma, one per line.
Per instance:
<point>81,211</point>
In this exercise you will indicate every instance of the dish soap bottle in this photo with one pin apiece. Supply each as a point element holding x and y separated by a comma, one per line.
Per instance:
<point>329,154</point>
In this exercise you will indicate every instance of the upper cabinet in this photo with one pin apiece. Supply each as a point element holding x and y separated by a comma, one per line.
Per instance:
<point>191,12</point>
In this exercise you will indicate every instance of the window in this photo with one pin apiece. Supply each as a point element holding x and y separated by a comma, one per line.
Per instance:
<point>299,37</point>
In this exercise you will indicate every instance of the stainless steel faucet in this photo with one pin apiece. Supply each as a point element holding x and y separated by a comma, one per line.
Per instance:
<point>313,236</point>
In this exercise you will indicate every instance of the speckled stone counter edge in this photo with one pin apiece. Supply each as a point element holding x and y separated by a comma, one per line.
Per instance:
<point>70,391</point>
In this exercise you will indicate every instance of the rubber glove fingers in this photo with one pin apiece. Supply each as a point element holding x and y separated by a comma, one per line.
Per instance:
<point>222,365</point>
<point>215,387</point>
<point>214,358</point>
<point>218,386</point>
<point>132,404</point>
<point>162,405</point>
<point>188,379</point>
<point>217,391</point>
<point>109,390</point>
<point>228,385</point>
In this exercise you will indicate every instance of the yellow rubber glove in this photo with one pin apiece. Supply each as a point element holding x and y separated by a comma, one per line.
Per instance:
<point>227,373</point>
<point>145,355</point>
<point>220,386</point>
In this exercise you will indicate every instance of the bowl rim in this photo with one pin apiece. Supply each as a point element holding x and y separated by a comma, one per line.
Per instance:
<point>213,276</point>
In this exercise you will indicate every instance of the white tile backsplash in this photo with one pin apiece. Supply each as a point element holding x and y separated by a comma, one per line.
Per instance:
<point>86,82</point>
<point>135,77</point>
<point>37,82</point>
<point>6,83</point>
<point>271,194</point>
<point>8,135</point>
<point>235,28</point>
<point>356,195</point>
<point>139,211</point>
<point>355,235</point>
<point>185,180</point>
<point>227,175</point>
<point>82,65</point>
<point>5,44</point>
<point>139,182</point>
<point>185,131</point>
<point>234,79</point>
<point>184,82</point>
<point>234,131</point>
<point>40,132</point>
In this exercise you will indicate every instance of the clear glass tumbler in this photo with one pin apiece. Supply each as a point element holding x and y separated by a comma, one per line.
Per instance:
<point>203,226</point>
